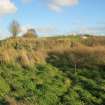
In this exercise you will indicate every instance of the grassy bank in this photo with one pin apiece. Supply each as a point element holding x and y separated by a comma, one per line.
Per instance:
<point>52,71</point>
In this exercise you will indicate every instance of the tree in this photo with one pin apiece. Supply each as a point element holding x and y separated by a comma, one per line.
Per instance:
<point>14,28</point>
<point>31,33</point>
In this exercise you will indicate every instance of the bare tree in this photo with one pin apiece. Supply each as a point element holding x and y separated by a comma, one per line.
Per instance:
<point>14,28</point>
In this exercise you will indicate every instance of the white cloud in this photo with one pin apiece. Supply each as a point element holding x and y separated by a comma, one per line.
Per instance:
<point>94,30</point>
<point>46,29</point>
<point>7,7</point>
<point>57,5</point>
<point>25,28</point>
<point>39,29</point>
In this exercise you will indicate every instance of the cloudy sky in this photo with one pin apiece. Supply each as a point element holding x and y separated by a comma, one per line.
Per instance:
<point>51,17</point>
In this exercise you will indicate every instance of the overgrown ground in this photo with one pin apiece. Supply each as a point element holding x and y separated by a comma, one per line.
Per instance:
<point>52,71</point>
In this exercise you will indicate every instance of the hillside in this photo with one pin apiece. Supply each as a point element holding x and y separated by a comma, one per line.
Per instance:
<point>65,70</point>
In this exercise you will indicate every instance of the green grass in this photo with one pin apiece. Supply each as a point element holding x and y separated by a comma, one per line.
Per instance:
<point>47,85</point>
<point>42,85</point>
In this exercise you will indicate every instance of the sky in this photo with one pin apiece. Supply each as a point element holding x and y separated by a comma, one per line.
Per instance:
<point>54,17</point>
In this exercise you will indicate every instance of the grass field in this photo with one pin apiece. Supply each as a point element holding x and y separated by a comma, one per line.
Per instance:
<point>65,70</point>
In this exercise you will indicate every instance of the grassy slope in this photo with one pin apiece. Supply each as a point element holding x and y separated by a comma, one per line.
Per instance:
<point>25,82</point>
<point>41,85</point>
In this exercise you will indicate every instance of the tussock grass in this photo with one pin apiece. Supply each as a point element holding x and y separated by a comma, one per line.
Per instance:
<point>82,56</point>
<point>7,55</point>
<point>28,52</point>
<point>22,56</point>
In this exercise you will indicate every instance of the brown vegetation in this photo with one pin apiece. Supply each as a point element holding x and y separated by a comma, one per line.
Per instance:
<point>30,51</point>
<point>82,56</point>
<point>10,101</point>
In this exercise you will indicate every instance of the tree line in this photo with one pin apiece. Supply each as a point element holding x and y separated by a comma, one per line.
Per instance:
<point>15,29</point>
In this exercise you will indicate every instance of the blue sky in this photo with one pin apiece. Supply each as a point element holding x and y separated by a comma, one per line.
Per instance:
<point>52,17</point>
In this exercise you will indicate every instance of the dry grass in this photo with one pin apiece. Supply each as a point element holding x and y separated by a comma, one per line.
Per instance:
<point>83,56</point>
<point>7,55</point>
<point>10,101</point>
<point>22,56</point>
<point>28,52</point>
<point>23,59</point>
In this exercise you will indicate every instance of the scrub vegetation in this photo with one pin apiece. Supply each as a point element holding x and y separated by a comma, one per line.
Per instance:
<point>66,70</point>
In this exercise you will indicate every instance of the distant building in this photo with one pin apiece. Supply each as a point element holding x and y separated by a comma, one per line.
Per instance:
<point>84,37</point>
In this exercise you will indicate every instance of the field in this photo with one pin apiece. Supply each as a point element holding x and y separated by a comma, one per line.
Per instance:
<point>68,70</point>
